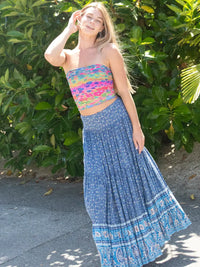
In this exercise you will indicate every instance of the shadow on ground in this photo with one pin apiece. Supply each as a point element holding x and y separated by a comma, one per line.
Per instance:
<point>55,230</point>
<point>183,248</point>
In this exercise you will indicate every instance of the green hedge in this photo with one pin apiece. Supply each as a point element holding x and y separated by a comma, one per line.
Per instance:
<point>39,120</point>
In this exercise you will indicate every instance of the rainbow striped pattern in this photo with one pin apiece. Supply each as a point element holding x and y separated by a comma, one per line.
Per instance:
<point>91,85</point>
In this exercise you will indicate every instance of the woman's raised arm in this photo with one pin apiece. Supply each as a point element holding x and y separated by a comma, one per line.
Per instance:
<point>54,53</point>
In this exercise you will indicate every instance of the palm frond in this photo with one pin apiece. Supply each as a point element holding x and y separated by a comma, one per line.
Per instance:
<point>190,83</point>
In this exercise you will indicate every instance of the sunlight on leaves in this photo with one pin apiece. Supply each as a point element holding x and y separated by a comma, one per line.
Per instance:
<point>190,83</point>
<point>148,9</point>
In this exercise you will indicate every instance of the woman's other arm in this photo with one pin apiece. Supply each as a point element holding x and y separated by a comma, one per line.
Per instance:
<point>123,89</point>
<point>54,53</point>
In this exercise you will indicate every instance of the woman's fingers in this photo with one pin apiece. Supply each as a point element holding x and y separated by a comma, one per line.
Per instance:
<point>135,143</point>
<point>76,13</point>
<point>138,139</point>
<point>72,21</point>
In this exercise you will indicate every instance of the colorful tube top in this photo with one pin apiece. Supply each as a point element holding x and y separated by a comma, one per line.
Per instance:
<point>91,85</point>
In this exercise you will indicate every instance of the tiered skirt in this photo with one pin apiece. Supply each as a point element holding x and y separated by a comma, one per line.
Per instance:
<point>133,211</point>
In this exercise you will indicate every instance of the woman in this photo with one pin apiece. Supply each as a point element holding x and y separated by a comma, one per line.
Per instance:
<point>133,211</point>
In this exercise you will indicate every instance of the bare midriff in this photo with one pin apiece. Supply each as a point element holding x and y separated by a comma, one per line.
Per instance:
<point>98,108</point>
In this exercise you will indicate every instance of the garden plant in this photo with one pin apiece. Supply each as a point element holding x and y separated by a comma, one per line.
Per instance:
<point>40,122</point>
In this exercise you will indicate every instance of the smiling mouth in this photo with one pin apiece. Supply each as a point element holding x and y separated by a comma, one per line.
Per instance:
<point>90,27</point>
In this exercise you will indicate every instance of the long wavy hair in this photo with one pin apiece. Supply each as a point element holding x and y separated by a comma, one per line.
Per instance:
<point>108,34</point>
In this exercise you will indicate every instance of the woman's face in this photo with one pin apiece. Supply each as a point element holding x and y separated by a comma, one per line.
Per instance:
<point>91,21</point>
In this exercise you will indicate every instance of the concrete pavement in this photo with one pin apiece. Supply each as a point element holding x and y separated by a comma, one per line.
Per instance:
<point>55,230</point>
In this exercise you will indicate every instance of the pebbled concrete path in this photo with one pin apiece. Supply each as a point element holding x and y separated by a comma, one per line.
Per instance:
<point>55,230</point>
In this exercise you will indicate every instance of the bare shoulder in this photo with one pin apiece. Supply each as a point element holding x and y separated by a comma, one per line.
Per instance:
<point>112,52</point>
<point>111,48</point>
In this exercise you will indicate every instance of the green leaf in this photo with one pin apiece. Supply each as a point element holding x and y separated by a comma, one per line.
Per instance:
<point>72,113</point>
<point>121,27</point>
<point>2,50</point>
<point>13,14</point>
<point>53,81</point>
<point>15,41</point>
<point>182,110</point>
<point>161,123</point>
<point>42,148</point>
<point>2,95</point>
<point>159,94</point>
<point>23,127</point>
<point>7,104</point>
<point>21,22</point>
<point>148,40</point>
<point>177,10</point>
<point>181,2</point>
<point>69,9</point>
<point>148,9</point>
<point>58,99</point>
<point>155,55</point>
<point>189,145</point>
<point>80,132</point>
<point>18,76</point>
<point>190,83</point>
<point>4,5</point>
<point>49,161</point>
<point>170,132</point>
<point>178,102</point>
<point>53,140</point>
<point>39,3</point>
<point>70,138</point>
<point>43,106</point>
<point>136,34</point>
<point>7,75</point>
<point>146,70</point>
<point>23,2</point>
<point>15,34</point>
<point>20,50</point>
<point>29,33</point>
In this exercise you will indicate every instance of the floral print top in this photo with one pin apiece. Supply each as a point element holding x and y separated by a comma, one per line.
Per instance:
<point>91,85</point>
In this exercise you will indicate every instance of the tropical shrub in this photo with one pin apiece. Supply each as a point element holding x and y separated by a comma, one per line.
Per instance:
<point>189,12</point>
<point>39,120</point>
<point>158,53</point>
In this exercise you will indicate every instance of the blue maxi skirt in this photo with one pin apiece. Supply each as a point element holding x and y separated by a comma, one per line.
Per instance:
<point>133,211</point>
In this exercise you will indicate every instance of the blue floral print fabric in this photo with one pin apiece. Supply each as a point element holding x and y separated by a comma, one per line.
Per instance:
<point>132,209</point>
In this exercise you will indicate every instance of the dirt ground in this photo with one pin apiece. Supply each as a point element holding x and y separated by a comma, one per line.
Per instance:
<point>180,169</point>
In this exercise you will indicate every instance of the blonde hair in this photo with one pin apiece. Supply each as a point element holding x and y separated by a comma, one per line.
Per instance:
<point>108,34</point>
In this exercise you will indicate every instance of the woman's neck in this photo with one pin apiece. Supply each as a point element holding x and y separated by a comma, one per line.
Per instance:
<point>85,42</point>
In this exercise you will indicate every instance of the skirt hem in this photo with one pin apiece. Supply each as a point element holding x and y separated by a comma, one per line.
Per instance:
<point>133,211</point>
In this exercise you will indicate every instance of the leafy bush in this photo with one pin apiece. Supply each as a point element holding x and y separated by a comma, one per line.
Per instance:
<point>157,54</point>
<point>39,119</point>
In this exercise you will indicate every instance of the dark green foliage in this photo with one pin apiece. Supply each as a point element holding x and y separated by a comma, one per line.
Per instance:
<point>39,119</point>
<point>153,39</point>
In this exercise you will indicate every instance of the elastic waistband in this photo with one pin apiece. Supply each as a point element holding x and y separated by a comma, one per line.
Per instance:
<point>107,116</point>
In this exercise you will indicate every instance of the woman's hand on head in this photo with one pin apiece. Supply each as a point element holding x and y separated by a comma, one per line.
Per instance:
<point>72,25</point>
<point>138,139</point>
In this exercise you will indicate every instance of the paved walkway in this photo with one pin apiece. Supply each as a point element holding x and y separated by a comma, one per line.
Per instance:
<point>55,230</point>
